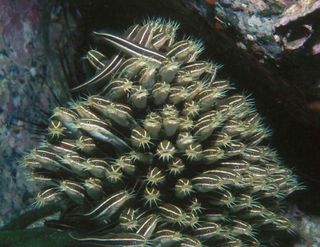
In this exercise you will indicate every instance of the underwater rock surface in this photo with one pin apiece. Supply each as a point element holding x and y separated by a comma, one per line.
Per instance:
<point>28,59</point>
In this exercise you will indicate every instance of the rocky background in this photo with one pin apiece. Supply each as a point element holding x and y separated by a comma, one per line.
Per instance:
<point>31,44</point>
<point>269,49</point>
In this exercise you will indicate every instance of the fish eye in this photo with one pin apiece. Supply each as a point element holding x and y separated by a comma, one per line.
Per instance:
<point>99,102</point>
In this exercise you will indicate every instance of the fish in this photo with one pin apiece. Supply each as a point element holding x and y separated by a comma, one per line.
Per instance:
<point>109,206</point>
<point>140,138</point>
<point>109,67</point>
<point>166,150</point>
<point>50,195</point>
<point>207,230</point>
<point>74,190</point>
<point>151,196</point>
<point>155,176</point>
<point>114,240</point>
<point>176,166</point>
<point>183,187</point>
<point>100,130</point>
<point>131,48</point>
<point>206,182</point>
<point>166,237</point>
<point>129,219</point>
<point>147,225</point>
<point>193,151</point>
<point>173,213</point>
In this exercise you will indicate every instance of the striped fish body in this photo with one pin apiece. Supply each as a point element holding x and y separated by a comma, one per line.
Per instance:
<point>170,125</point>
<point>186,123</point>
<point>93,188</point>
<point>34,164</point>
<point>193,151</point>
<point>139,97</point>
<point>160,92</point>
<point>144,35</point>
<point>166,150</point>
<point>67,116</point>
<point>96,167</point>
<point>131,48</point>
<point>233,243</point>
<point>100,131</point>
<point>206,183</point>
<point>76,163</point>
<point>183,188</point>
<point>168,71</point>
<point>151,196</point>
<point>148,77</point>
<point>48,196</point>
<point>96,59</point>
<point>172,213</point>
<point>239,227</point>
<point>126,164</point>
<point>166,238</point>
<point>109,206</point>
<point>212,154</point>
<point>184,51</point>
<point>221,198</point>
<point>132,67</point>
<point>207,230</point>
<point>227,177</point>
<point>86,145</point>
<point>129,219</point>
<point>152,124</point>
<point>184,139</point>
<point>114,174</point>
<point>110,67</point>
<point>48,159</point>
<point>188,241</point>
<point>193,90</point>
<point>117,89</point>
<point>84,110</point>
<point>140,138</point>
<point>115,240</point>
<point>63,146</point>
<point>155,176</point>
<point>56,130</point>
<point>176,166</point>
<point>239,166</point>
<point>147,225</point>
<point>73,190</point>
<point>121,114</point>
<point>44,178</point>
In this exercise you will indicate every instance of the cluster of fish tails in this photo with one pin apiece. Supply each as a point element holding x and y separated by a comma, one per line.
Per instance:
<point>163,155</point>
